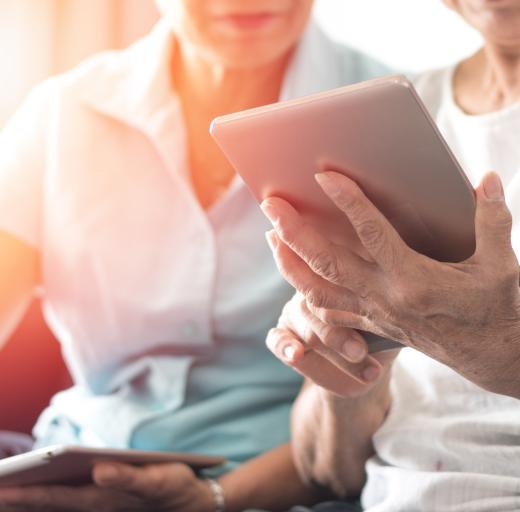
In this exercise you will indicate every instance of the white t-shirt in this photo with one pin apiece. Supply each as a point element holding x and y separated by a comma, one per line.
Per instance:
<point>447,445</point>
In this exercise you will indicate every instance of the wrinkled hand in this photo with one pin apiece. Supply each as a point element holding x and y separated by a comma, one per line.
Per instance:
<point>333,357</point>
<point>466,315</point>
<point>118,488</point>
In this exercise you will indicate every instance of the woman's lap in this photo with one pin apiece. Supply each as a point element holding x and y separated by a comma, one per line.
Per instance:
<point>329,506</point>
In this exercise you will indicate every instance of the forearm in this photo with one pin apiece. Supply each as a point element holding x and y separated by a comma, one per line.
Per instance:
<point>332,436</point>
<point>269,482</point>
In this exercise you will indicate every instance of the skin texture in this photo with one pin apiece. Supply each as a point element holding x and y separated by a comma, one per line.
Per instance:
<point>344,428</point>
<point>418,301</point>
<point>466,315</point>
<point>219,67</point>
<point>223,65</point>
<point>489,80</point>
<point>341,394</point>
<point>316,350</point>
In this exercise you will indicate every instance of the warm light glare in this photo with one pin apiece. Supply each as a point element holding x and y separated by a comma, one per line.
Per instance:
<point>44,37</point>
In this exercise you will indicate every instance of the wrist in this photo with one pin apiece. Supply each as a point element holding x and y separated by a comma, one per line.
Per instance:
<point>217,493</point>
<point>204,497</point>
<point>377,397</point>
<point>365,413</point>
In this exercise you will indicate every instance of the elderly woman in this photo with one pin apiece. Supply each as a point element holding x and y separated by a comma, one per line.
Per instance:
<point>150,252</point>
<point>441,431</point>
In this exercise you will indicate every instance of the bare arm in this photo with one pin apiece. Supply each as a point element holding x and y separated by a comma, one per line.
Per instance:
<point>332,435</point>
<point>19,276</point>
<point>344,401</point>
<point>269,482</point>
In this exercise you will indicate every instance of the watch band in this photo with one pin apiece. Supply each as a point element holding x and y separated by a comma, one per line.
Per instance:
<point>218,495</point>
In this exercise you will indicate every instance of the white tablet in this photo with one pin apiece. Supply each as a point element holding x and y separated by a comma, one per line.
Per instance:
<point>378,133</point>
<point>72,465</point>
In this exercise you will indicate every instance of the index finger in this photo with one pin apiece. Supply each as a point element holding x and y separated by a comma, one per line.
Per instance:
<point>320,366</point>
<point>377,235</point>
<point>332,262</point>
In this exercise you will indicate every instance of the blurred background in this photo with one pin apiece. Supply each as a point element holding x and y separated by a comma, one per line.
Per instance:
<point>39,38</point>
<point>43,37</point>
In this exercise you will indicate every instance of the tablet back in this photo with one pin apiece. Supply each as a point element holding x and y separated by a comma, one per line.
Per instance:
<point>72,465</point>
<point>378,133</point>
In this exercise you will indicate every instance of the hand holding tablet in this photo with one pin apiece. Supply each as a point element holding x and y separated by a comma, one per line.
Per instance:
<point>73,464</point>
<point>379,134</point>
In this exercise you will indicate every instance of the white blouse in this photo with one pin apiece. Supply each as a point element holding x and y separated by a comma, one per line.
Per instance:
<point>448,445</point>
<point>161,307</point>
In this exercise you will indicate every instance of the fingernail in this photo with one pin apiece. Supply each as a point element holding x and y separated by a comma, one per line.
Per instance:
<point>289,352</point>
<point>371,373</point>
<point>272,240</point>
<point>493,187</point>
<point>353,350</point>
<point>108,473</point>
<point>324,180</point>
<point>269,211</point>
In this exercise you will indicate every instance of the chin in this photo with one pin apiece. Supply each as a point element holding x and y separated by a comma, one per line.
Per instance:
<point>249,56</point>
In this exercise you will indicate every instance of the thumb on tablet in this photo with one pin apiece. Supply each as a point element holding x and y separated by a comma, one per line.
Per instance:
<point>109,474</point>
<point>129,479</point>
<point>153,481</point>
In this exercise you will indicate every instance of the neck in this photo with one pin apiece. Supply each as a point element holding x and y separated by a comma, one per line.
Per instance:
<point>502,73</point>
<point>214,90</point>
<point>489,80</point>
<point>207,90</point>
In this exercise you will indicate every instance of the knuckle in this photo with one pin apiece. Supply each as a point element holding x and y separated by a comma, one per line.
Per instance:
<point>355,205</point>
<point>415,297</point>
<point>316,298</point>
<point>353,321</point>
<point>326,264</point>
<point>329,318</point>
<point>362,288</point>
<point>161,479</point>
<point>499,219</point>
<point>332,336</point>
<point>504,218</point>
<point>372,233</point>
<point>288,231</point>
<point>403,295</point>
<point>508,218</point>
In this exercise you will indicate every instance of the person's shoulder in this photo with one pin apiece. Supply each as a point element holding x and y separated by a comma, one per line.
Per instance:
<point>106,68</point>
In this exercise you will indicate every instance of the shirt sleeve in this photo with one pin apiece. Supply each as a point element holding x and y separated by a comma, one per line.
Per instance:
<point>23,157</point>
